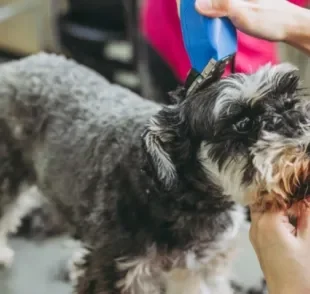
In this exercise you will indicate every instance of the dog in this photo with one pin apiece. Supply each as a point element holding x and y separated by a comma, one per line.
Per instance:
<point>42,222</point>
<point>155,193</point>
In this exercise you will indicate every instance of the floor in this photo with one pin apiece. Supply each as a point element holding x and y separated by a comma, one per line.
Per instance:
<point>38,267</point>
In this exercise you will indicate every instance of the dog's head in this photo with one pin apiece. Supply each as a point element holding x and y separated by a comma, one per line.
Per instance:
<point>249,134</point>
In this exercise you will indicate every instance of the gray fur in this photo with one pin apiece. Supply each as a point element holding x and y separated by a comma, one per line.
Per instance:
<point>151,209</point>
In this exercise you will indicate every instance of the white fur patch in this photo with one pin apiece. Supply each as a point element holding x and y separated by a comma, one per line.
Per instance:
<point>182,281</point>
<point>166,171</point>
<point>11,220</point>
<point>76,265</point>
<point>6,256</point>
<point>229,177</point>
<point>142,274</point>
<point>141,279</point>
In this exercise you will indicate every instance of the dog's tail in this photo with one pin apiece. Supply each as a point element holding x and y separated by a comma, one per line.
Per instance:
<point>238,289</point>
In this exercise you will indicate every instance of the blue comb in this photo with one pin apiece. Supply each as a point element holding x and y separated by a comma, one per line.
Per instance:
<point>211,44</point>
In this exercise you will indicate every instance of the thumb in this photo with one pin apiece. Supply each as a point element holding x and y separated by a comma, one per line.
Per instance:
<point>213,8</point>
<point>303,223</point>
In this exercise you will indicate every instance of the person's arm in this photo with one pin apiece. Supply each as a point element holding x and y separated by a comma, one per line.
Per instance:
<point>274,20</point>
<point>298,31</point>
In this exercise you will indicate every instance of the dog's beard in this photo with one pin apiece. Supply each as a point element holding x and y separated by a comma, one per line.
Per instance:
<point>283,167</point>
<point>281,172</point>
<point>280,168</point>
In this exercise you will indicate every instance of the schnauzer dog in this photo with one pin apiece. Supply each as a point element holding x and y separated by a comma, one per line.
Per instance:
<point>153,192</point>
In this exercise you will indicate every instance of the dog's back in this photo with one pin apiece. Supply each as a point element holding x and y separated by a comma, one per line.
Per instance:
<point>54,82</point>
<point>75,123</point>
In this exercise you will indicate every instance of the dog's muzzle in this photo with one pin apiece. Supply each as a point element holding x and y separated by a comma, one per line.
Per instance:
<point>283,175</point>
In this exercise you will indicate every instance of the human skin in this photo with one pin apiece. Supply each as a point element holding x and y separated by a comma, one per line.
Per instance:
<point>283,250</point>
<point>257,17</point>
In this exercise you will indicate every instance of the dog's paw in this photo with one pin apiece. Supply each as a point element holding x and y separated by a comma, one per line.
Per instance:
<point>77,265</point>
<point>6,257</point>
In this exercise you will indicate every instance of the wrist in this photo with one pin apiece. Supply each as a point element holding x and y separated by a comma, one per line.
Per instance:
<point>288,288</point>
<point>297,25</point>
<point>288,291</point>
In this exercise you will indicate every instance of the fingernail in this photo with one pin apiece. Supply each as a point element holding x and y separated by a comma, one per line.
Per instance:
<point>203,4</point>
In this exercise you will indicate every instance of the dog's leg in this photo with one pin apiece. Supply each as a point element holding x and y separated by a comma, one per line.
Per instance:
<point>216,275</point>
<point>106,275</point>
<point>218,284</point>
<point>184,281</point>
<point>77,265</point>
<point>6,253</point>
<point>139,275</point>
<point>11,220</point>
<point>9,223</point>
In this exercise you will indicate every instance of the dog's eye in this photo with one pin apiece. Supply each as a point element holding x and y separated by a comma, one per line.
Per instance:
<point>243,126</point>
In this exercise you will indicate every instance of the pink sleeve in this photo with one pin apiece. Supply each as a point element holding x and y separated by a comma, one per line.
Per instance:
<point>302,3</point>
<point>253,53</point>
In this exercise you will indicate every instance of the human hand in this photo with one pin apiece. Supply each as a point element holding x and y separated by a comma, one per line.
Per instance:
<point>283,250</point>
<point>265,19</point>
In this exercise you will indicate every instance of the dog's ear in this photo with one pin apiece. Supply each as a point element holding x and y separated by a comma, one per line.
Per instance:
<point>164,142</point>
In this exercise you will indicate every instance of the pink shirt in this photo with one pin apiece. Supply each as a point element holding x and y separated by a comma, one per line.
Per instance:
<point>160,25</point>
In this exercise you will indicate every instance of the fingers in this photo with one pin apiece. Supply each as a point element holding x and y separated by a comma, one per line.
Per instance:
<point>213,8</point>
<point>270,225</point>
<point>277,224</point>
<point>303,224</point>
<point>209,8</point>
<point>268,218</point>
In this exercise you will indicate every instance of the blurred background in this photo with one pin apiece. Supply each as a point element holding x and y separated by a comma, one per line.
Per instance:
<point>105,35</point>
<point>102,34</point>
<point>85,30</point>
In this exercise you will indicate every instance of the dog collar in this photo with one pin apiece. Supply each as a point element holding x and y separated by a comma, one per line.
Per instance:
<point>211,44</point>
